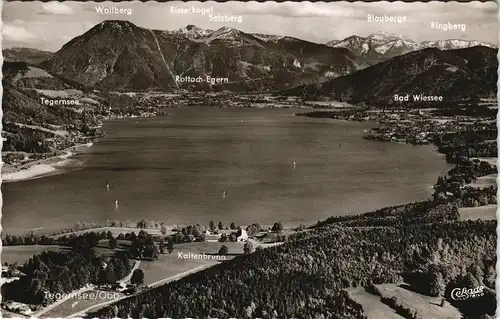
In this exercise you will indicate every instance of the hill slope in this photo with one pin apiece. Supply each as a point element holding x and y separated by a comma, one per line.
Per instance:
<point>453,74</point>
<point>306,276</point>
<point>31,126</point>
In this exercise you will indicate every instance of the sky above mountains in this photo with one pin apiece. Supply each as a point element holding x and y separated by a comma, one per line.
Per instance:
<point>47,26</point>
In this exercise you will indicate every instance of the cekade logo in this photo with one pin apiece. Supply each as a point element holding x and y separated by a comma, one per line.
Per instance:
<point>464,293</point>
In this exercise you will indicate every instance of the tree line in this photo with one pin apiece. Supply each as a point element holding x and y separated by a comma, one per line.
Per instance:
<point>89,238</point>
<point>58,272</point>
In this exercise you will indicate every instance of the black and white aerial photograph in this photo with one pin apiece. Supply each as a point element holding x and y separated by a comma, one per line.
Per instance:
<point>249,160</point>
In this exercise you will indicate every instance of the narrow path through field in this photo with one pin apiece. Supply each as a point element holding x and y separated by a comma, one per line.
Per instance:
<point>129,276</point>
<point>257,243</point>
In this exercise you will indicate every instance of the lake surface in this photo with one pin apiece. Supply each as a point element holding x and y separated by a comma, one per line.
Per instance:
<point>176,168</point>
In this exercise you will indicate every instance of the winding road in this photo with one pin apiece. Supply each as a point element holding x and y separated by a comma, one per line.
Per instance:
<point>62,300</point>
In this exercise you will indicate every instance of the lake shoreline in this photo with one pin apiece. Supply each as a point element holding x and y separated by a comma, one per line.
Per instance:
<point>42,168</point>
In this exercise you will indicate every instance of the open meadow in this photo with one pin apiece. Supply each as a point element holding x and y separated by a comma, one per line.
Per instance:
<point>372,305</point>
<point>425,306</point>
<point>168,265</point>
<point>482,212</point>
<point>21,254</point>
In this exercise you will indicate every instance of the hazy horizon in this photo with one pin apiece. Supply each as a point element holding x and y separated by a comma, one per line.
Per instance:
<point>48,26</point>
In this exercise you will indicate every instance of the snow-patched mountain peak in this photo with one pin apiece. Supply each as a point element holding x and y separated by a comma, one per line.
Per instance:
<point>396,46</point>
<point>268,37</point>
<point>453,44</point>
<point>388,36</point>
<point>226,30</point>
<point>193,32</point>
<point>331,43</point>
<point>18,49</point>
<point>365,47</point>
<point>225,33</point>
<point>381,46</point>
<point>352,41</point>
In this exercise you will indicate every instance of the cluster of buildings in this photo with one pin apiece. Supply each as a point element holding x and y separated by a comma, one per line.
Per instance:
<point>211,236</point>
<point>418,127</point>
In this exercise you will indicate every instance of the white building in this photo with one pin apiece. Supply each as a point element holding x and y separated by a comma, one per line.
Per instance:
<point>242,235</point>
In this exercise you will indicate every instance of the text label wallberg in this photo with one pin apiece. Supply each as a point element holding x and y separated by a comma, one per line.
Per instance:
<point>113,10</point>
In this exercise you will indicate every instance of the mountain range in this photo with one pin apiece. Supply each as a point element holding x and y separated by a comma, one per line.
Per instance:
<point>29,55</point>
<point>380,46</point>
<point>119,55</point>
<point>453,74</point>
<point>369,50</point>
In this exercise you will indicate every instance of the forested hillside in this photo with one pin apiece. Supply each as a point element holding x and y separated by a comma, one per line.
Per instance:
<point>306,276</point>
